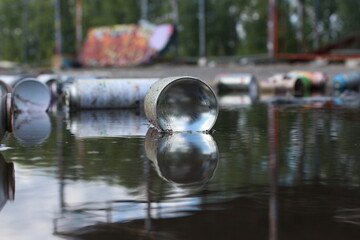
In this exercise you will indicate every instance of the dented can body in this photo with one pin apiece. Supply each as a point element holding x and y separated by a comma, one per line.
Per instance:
<point>181,104</point>
<point>106,93</point>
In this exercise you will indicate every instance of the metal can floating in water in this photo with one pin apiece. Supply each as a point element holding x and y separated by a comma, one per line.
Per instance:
<point>106,93</point>
<point>283,84</point>
<point>181,104</point>
<point>347,81</point>
<point>185,159</point>
<point>31,95</point>
<point>316,80</point>
<point>238,82</point>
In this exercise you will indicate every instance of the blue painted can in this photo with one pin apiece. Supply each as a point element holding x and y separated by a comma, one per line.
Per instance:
<point>346,81</point>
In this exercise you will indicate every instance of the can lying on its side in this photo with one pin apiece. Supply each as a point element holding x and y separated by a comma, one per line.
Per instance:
<point>106,93</point>
<point>316,80</point>
<point>347,81</point>
<point>31,95</point>
<point>238,82</point>
<point>181,104</point>
<point>283,84</point>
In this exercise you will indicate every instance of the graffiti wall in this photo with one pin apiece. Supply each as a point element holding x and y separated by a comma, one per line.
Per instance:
<point>124,45</point>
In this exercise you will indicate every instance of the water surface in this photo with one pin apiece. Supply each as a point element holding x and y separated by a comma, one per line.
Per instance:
<point>269,171</point>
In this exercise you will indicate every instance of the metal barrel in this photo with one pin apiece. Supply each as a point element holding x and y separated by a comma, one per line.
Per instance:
<point>280,84</point>
<point>7,181</point>
<point>241,82</point>
<point>106,93</point>
<point>31,128</point>
<point>185,159</point>
<point>108,123</point>
<point>346,81</point>
<point>31,95</point>
<point>181,104</point>
<point>314,80</point>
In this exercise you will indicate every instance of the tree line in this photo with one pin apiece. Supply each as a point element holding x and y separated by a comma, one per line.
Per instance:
<point>233,27</point>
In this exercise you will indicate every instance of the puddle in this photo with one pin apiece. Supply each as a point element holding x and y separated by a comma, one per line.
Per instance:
<point>271,170</point>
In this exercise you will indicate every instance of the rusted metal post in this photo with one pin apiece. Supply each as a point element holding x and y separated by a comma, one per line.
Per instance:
<point>79,26</point>
<point>58,35</point>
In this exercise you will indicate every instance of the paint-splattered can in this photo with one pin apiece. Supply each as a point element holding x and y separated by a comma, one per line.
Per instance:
<point>239,82</point>
<point>184,159</point>
<point>283,84</point>
<point>347,81</point>
<point>312,80</point>
<point>181,104</point>
<point>106,93</point>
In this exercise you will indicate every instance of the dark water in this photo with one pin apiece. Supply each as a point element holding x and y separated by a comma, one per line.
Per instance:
<point>268,172</point>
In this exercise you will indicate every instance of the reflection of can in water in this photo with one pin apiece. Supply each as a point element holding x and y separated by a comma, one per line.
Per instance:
<point>344,81</point>
<point>240,82</point>
<point>108,123</point>
<point>106,93</point>
<point>185,159</point>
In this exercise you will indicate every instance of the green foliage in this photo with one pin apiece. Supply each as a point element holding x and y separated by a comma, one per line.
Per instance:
<point>233,27</point>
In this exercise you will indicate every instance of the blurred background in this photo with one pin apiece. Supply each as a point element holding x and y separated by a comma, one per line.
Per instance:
<point>34,31</point>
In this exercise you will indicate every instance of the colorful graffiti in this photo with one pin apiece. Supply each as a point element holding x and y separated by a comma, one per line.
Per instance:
<point>124,45</point>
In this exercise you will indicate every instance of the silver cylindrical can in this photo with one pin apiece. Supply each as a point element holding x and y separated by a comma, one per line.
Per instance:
<point>237,82</point>
<point>181,104</point>
<point>106,93</point>
<point>108,123</point>
<point>185,159</point>
<point>31,95</point>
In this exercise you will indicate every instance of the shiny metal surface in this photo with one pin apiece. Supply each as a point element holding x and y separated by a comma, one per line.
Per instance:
<point>238,82</point>
<point>32,128</point>
<point>108,123</point>
<point>184,159</point>
<point>181,104</point>
<point>31,95</point>
<point>107,93</point>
